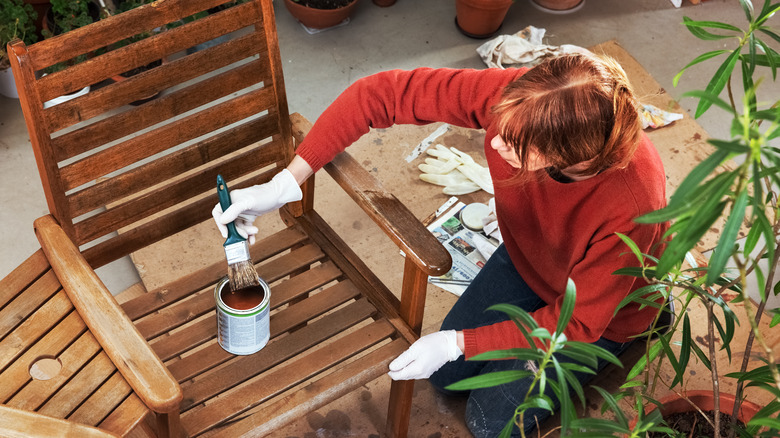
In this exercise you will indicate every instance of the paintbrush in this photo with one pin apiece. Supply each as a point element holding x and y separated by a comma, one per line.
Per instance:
<point>241,271</point>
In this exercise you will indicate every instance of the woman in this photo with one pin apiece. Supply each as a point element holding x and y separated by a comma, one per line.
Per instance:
<point>571,168</point>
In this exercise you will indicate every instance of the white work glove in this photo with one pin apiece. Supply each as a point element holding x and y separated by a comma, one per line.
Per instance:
<point>455,170</point>
<point>490,223</point>
<point>249,203</point>
<point>425,356</point>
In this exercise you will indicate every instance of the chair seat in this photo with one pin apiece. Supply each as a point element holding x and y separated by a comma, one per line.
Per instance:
<point>321,319</point>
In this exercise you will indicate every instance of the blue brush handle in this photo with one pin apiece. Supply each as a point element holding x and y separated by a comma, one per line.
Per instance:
<point>224,202</point>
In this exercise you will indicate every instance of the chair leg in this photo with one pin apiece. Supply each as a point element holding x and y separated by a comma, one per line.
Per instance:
<point>169,426</point>
<point>400,408</point>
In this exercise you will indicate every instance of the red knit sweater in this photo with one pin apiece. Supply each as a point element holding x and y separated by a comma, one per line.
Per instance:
<point>553,231</point>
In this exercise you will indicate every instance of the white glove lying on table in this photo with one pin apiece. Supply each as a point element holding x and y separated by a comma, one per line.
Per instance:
<point>456,171</point>
<point>249,203</point>
<point>425,356</point>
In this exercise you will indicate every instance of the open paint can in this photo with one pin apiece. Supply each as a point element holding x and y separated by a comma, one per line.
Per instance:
<point>243,317</point>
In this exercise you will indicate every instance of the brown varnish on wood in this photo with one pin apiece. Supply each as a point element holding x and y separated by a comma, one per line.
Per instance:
<point>243,299</point>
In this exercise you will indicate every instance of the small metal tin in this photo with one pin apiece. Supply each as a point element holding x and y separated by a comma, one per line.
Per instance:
<point>240,331</point>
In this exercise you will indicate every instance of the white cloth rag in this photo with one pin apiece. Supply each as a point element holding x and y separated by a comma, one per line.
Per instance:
<point>524,49</point>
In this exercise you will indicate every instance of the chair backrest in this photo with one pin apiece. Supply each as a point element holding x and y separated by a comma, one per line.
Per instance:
<point>148,170</point>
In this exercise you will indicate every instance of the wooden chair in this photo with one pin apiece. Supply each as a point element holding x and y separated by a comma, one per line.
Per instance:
<point>120,177</point>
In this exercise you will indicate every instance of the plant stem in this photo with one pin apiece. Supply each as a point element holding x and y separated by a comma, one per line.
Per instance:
<point>714,368</point>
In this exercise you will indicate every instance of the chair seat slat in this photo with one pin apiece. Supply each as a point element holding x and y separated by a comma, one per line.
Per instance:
<point>126,417</point>
<point>25,304</point>
<point>315,394</point>
<point>103,401</point>
<point>245,367</point>
<point>204,330</point>
<point>158,298</point>
<point>17,374</point>
<point>34,394</point>
<point>22,276</point>
<point>270,384</point>
<point>314,333</point>
<point>34,327</point>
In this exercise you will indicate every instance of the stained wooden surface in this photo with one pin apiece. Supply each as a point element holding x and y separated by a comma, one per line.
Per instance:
<point>120,179</point>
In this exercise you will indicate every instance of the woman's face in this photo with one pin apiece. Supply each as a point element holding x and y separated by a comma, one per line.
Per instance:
<point>507,152</point>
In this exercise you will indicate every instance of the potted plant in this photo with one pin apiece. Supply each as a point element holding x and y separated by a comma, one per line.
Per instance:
<point>746,194</point>
<point>17,20</point>
<point>320,14</point>
<point>480,18</point>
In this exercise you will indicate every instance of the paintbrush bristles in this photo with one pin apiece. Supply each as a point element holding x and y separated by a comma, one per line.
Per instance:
<point>242,275</point>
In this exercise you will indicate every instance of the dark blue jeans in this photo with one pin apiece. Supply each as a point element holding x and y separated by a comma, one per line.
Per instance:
<point>488,410</point>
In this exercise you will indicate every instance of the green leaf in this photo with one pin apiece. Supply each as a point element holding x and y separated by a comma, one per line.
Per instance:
<point>701,58</point>
<point>598,427</point>
<point>567,407</point>
<point>773,423</point>
<point>685,348</point>
<point>697,29</point>
<point>641,364</point>
<point>747,7</point>
<point>506,432</point>
<point>540,401</point>
<point>567,308</point>
<point>612,403</point>
<point>489,380</point>
<point>516,312</point>
<point>679,372</point>
<point>717,83</point>
<point>687,237</point>
<point>723,335</point>
<point>771,57</point>
<point>588,359</point>
<point>692,180</point>
<point>767,12</point>
<point>728,238</point>
<point>733,146</point>
<point>512,353</point>
<point>770,33</point>
<point>586,348</point>
<point>633,247</point>
<point>775,317</point>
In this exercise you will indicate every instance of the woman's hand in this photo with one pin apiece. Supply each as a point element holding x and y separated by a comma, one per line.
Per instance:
<point>427,355</point>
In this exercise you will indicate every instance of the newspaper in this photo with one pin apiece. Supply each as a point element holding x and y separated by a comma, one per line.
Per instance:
<point>460,243</point>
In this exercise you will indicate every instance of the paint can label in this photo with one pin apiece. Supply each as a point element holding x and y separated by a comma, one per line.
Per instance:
<point>243,317</point>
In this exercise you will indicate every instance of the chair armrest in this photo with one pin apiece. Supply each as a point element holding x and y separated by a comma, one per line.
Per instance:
<point>392,216</point>
<point>18,423</point>
<point>128,350</point>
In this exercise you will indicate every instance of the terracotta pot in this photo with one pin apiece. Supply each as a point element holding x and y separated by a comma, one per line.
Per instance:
<point>40,7</point>
<point>384,3</point>
<point>558,5</point>
<point>480,18</point>
<point>319,18</point>
<point>674,404</point>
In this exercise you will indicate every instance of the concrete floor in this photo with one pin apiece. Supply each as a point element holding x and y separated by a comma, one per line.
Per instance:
<point>407,35</point>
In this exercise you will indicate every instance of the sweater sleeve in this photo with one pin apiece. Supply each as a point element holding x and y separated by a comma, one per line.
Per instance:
<point>598,294</point>
<point>459,97</point>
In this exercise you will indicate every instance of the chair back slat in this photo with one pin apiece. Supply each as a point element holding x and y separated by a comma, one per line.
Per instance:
<point>178,102</point>
<point>146,51</point>
<point>91,38</point>
<point>175,163</point>
<point>159,199</point>
<point>108,166</point>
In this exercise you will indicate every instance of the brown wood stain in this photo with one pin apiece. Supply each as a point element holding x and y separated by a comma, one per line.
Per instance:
<point>243,299</point>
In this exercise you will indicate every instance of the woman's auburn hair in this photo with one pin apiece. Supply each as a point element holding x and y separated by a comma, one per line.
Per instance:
<point>572,109</point>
